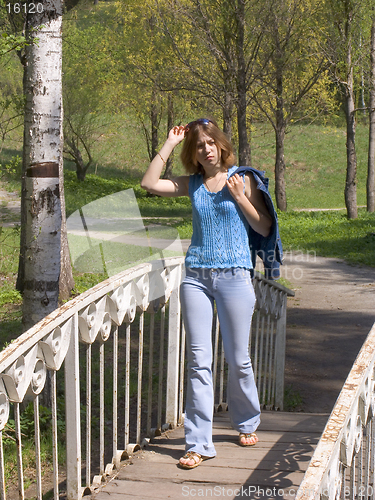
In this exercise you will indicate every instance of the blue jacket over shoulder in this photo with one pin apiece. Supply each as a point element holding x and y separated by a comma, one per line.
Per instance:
<point>268,248</point>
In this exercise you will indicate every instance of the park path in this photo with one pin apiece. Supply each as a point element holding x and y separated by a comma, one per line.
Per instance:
<point>328,320</point>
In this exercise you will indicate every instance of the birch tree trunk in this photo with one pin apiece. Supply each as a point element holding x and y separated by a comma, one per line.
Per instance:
<point>371,148</point>
<point>42,158</point>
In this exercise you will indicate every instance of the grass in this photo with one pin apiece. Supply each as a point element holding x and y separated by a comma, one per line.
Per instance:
<point>315,157</point>
<point>10,299</point>
<point>331,234</point>
<point>292,399</point>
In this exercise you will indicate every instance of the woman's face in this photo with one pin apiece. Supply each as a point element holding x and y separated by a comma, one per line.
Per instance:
<point>207,152</point>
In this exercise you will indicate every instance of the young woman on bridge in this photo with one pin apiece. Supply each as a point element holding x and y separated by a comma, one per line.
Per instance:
<point>218,264</point>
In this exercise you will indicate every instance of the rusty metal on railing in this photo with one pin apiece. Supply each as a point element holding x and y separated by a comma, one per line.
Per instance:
<point>342,466</point>
<point>121,344</point>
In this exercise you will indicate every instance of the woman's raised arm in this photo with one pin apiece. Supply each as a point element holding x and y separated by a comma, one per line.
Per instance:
<point>151,182</point>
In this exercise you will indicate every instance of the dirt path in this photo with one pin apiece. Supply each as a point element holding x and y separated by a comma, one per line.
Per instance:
<point>10,208</point>
<point>327,322</point>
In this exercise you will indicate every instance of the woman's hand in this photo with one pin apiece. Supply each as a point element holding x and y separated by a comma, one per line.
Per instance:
<point>251,202</point>
<point>176,135</point>
<point>236,186</point>
<point>178,186</point>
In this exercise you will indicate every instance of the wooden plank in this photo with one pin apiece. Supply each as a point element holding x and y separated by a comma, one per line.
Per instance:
<point>268,470</point>
<point>282,421</point>
<point>178,491</point>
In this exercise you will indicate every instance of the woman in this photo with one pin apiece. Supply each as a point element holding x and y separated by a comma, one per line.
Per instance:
<point>218,264</point>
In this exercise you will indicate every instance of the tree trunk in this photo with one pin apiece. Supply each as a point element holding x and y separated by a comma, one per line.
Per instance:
<point>170,122</point>
<point>244,152</point>
<point>66,281</point>
<point>371,149</point>
<point>21,261</point>
<point>227,115</point>
<point>280,186</point>
<point>42,155</point>
<point>280,128</point>
<point>154,126</point>
<point>351,157</point>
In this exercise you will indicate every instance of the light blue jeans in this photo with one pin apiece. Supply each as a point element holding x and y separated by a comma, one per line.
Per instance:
<point>233,292</point>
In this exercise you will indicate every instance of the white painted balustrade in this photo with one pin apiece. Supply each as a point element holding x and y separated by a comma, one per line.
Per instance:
<point>343,463</point>
<point>122,348</point>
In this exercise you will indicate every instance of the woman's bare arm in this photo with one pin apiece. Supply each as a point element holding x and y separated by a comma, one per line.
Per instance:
<point>151,182</point>
<point>251,202</point>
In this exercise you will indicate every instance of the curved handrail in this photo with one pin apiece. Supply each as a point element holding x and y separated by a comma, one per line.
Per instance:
<point>342,465</point>
<point>134,317</point>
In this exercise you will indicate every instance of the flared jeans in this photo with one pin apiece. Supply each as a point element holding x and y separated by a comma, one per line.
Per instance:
<point>233,292</point>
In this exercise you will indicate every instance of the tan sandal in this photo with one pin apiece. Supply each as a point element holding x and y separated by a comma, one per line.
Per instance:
<point>251,435</point>
<point>192,455</point>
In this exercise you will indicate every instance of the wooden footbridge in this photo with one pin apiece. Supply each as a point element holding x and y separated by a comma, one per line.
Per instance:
<point>115,357</point>
<point>273,469</point>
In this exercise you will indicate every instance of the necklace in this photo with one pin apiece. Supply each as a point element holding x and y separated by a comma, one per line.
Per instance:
<point>216,185</point>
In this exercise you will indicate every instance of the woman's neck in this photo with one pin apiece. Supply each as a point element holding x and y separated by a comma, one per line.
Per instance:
<point>211,172</point>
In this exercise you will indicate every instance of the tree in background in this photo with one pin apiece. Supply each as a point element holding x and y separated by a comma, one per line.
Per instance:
<point>294,73</point>
<point>148,74</point>
<point>370,187</point>
<point>9,41</point>
<point>90,90</point>
<point>344,50</point>
<point>218,43</point>
<point>11,96</point>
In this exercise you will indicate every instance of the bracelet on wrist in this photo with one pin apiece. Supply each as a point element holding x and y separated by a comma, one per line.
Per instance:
<point>162,159</point>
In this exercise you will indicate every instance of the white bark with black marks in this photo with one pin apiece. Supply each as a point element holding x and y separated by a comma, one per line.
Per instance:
<point>42,157</point>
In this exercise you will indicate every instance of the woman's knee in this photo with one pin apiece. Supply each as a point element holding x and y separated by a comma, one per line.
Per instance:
<point>239,366</point>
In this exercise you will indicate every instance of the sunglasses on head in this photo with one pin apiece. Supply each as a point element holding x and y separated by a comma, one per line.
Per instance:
<point>201,121</point>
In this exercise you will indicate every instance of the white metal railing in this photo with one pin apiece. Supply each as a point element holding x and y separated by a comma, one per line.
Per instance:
<point>122,347</point>
<point>342,466</point>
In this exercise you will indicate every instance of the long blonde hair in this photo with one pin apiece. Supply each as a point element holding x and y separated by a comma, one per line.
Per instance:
<point>188,153</point>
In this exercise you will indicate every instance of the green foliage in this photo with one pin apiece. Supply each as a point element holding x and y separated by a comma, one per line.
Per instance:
<point>80,194</point>
<point>315,157</point>
<point>9,247</point>
<point>10,299</point>
<point>9,295</point>
<point>89,89</point>
<point>292,399</point>
<point>11,169</point>
<point>27,423</point>
<point>9,42</point>
<point>11,98</point>
<point>84,281</point>
<point>331,234</point>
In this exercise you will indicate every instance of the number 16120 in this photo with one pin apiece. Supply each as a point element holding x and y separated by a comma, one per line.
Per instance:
<point>25,8</point>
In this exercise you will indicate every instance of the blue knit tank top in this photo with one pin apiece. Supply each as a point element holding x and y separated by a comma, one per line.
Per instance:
<point>220,230</point>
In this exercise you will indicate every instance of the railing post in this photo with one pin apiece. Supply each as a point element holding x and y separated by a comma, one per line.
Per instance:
<point>173,355</point>
<point>280,346</point>
<point>72,408</point>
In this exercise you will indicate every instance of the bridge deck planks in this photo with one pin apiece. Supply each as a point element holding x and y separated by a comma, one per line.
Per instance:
<point>272,469</point>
